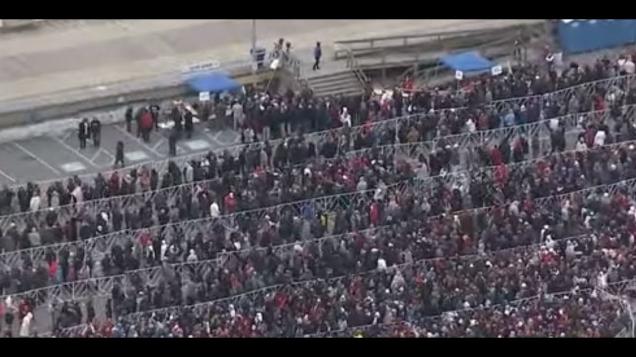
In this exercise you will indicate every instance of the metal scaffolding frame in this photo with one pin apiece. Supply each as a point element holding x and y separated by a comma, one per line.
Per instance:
<point>563,95</point>
<point>422,187</point>
<point>137,279</point>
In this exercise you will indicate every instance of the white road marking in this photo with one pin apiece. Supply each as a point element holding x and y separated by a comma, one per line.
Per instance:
<point>197,145</point>
<point>73,166</point>
<point>7,176</point>
<point>107,153</point>
<point>67,135</point>
<point>138,140</point>
<point>37,158</point>
<point>136,155</point>
<point>211,137</point>
<point>161,141</point>
<point>74,151</point>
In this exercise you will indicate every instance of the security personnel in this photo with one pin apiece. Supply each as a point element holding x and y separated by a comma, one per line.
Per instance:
<point>96,131</point>
<point>84,133</point>
<point>119,154</point>
<point>189,124</point>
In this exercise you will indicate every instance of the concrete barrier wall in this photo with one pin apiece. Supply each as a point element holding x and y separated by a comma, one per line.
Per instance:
<point>75,108</point>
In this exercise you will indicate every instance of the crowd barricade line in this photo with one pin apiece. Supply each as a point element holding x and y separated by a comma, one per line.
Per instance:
<point>585,88</point>
<point>326,203</point>
<point>103,286</point>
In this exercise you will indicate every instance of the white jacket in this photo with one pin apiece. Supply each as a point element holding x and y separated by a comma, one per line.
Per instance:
<point>34,205</point>
<point>25,328</point>
<point>599,138</point>
<point>214,210</point>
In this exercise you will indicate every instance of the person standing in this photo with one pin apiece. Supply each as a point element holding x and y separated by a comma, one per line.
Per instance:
<point>189,124</point>
<point>96,131</point>
<point>146,125</point>
<point>129,119</point>
<point>84,133</point>
<point>119,154</point>
<point>172,143</point>
<point>154,111</point>
<point>317,56</point>
<point>177,118</point>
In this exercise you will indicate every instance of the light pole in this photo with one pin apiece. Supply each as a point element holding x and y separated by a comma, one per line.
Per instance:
<point>254,34</point>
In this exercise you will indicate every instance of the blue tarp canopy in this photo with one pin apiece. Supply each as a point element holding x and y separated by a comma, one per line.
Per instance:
<point>212,82</point>
<point>467,62</point>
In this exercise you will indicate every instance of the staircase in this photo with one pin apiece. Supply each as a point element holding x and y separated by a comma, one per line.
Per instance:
<point>343,83</point>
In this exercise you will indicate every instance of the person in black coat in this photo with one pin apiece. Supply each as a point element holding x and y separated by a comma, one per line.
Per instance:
<point>172,142</point>
<point>119,154</point>
<point>129,119</point>
<point>189,125</point>
<point>84,133</point>
<point>177,118</point>
<point>96,131</point>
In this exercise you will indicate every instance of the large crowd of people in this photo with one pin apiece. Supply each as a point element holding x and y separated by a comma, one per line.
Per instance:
<point>312,237</point>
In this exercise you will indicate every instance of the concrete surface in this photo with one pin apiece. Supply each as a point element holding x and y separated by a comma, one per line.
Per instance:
<point>57,154</point>
<point>55,60</point>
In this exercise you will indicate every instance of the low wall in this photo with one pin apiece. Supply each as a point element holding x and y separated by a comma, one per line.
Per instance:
<point>73,106</point>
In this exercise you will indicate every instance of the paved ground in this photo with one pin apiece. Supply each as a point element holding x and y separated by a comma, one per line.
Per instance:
<point>58,154</point>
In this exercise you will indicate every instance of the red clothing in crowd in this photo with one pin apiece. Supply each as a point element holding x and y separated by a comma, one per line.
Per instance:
<point>496,157</point>
<point>144,239</point>
<point>408,85</point>
<point>501,174</point>
<point>230,203</point>
<point>53,269</point>
<point>114,183</point>
<point>24,308</point>
<point>374,213</point>
<point>146,120</point>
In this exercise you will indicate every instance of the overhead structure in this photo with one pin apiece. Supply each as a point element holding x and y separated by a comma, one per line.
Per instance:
<point>212,82</point>
<point>468,62</point>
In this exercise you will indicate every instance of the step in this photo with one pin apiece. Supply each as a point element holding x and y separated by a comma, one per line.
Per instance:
<point>337,85</point>
<point>345,92</point>
<point>331,77</point>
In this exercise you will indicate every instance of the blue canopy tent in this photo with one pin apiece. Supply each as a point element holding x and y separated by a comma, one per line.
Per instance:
<point>212,82</point>
<point>467,62</point>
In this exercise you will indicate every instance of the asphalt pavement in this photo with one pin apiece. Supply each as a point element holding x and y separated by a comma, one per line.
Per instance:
<point>58,155</point>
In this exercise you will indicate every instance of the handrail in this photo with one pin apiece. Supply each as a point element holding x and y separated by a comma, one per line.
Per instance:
<point>369,44</point>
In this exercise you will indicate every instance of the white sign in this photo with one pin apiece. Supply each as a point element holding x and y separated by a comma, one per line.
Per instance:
<point>496,70</point>
<point>459,75</point>
<point>275,64</point>
<point>202,67</point>
<point>204,96</point>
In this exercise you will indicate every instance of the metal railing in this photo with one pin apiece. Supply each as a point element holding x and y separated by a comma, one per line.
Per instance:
<point>584,89</point>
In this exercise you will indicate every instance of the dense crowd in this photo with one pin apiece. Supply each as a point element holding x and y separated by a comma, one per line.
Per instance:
<point>307,262</point>
<point>378,190</point>
<point>583,313</point>
<point>407,273</point>
<point>434,120</point>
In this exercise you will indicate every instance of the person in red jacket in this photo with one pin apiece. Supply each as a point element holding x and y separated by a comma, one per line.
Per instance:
<point>374,213</point>
<point>146,123</point>
<point>495,156</point>
<point>230,203</point>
